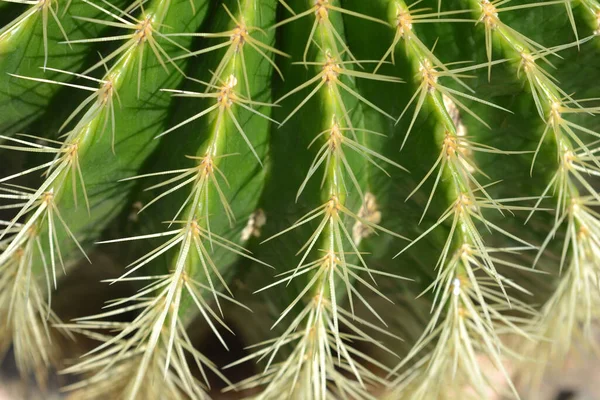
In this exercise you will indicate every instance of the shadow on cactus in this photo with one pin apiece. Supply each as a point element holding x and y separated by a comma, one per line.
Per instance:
<point>303,199</point>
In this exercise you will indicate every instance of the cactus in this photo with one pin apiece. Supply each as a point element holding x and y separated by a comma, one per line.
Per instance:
<point>381,200</point>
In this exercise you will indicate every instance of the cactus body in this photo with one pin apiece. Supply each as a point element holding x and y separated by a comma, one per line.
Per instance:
<point>380,199</point>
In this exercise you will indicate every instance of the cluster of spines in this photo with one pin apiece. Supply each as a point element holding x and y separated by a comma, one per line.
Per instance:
<point>320,351</point>
<point>569,312</point>
<point>153,347</point>
<point>465,302</point>
<point>48,10</point>
<point>469,291</point>
<point>24,304</point>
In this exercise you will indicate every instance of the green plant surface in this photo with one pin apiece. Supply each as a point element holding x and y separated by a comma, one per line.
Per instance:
<point>35,43</point>
<point>380,199</point>
<point>196,200</point>
<point>78,193</point>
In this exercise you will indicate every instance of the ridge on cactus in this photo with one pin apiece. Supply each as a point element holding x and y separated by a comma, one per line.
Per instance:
<point>299,199</point>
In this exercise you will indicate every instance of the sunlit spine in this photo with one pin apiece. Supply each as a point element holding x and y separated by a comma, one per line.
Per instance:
<point>573,306</point>
<point>320,351</point>
<point>148,356</point>
<point>467,306</point>
<point>36,243</point>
